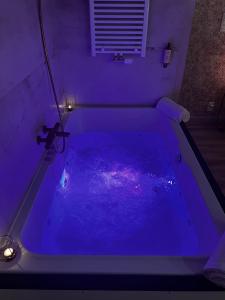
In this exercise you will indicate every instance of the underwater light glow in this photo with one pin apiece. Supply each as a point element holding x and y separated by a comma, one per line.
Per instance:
<point>119,177</point>
<point>64,180</point>
<point>118,195</point>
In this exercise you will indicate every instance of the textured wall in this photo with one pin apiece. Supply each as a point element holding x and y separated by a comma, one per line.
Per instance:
<point>204,79</point>
<point>97,80</point>
<point>25,102</point>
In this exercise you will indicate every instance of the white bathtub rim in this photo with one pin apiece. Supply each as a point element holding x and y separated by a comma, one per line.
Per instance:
<point>32,262</point>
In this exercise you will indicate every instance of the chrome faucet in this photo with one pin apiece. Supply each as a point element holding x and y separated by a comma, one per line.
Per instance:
<point>52,133</point>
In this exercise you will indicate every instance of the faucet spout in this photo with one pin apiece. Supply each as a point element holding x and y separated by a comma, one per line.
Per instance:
<point>52,133</point>
<point>63,134</point>
<point>41,140</point>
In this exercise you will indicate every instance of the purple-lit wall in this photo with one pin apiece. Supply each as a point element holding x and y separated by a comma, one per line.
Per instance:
<point>25,94</point>
<point>99,80</point>
<point>25,101</point>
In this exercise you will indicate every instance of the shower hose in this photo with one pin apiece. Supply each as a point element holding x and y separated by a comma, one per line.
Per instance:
<point>49,70</point>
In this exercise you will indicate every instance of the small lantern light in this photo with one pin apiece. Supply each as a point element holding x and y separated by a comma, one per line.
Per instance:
<point>69,107</point>
<point>8,248</point>
<point>9,253</point>
<point>69,103</point>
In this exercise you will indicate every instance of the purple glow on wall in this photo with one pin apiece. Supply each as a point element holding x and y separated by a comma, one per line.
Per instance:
<point>26,100</point>
<point>98,80</point>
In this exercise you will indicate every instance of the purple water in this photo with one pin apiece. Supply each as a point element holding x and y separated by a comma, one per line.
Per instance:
<point>118,194</point>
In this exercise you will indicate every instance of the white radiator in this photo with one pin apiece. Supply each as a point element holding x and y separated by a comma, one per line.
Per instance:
<point>119,26</point>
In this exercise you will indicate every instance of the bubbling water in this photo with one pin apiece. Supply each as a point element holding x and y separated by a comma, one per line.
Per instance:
<point>118,194</point>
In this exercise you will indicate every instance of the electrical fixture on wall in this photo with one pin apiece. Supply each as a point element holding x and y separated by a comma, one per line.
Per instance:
<point>119,27</point>
<point>167,55</point>
<point>122,59</point>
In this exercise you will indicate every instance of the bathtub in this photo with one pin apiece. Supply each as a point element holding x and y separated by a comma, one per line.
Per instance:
<point>127,206</point>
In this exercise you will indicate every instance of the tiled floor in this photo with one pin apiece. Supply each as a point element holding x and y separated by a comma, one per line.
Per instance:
<point>211,143</point>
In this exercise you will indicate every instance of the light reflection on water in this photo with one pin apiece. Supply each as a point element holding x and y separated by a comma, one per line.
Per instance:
<point>119,177</point>
<point>118,194</point>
